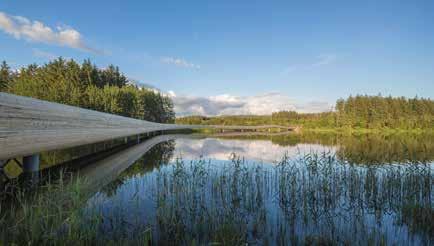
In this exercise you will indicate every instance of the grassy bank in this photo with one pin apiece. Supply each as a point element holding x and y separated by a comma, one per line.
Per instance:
<point>53,214</point>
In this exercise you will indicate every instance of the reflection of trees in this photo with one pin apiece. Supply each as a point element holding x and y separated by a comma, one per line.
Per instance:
<point>363,148</point>
<point>377,149</point>
<point>369,148</point>
<point>49,159</point>
<point>158,155</point>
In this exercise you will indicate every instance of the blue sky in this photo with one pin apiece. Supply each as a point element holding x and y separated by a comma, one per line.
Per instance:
<point>224,57</point>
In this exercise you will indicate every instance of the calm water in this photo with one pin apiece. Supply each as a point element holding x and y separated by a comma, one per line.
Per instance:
<point>292,189</point>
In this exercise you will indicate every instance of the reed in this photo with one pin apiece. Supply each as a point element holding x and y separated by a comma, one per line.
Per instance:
<point>315,199</point>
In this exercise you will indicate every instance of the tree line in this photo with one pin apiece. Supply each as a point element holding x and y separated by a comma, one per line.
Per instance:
<point>87,86</point>
<point>361,111</point>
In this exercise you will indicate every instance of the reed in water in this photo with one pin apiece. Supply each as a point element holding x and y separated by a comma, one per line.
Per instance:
<point>312,199</point>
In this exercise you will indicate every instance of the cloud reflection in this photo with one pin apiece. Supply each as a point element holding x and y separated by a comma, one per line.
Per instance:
<point>256,150</point>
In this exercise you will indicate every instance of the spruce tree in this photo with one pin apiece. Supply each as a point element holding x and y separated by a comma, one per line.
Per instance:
<point>5,76</point>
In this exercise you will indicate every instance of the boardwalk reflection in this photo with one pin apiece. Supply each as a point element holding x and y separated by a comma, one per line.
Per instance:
<point>97,169</point>
<point>108,169</point>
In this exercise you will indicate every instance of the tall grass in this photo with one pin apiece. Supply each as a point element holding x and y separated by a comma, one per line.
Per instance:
<point>53,215</point>
<point>34,217</point>
<point>315,199</point>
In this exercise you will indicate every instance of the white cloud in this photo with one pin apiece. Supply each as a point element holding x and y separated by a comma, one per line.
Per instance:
<point>227,104</point>
<point>22,28</point>
<point>179,62</point>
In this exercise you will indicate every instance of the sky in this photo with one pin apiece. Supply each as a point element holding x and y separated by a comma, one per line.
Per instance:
<point>236,57</point>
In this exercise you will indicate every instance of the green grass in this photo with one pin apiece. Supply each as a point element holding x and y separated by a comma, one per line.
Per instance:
<point>198,203</point>
<point>35,218</point>
<point>53,215</point>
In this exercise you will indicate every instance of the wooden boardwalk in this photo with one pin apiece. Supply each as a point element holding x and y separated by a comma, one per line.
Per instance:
<point>30,126</point>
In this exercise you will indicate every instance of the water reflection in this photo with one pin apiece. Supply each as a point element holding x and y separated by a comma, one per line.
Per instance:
<point>160,154</point>
<point>278,189</point>
<point>356,148</point>
<point>196,190</point>
<point>257,150</point>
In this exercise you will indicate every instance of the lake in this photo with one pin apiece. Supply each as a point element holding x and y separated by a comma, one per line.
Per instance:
<point>290,189</point>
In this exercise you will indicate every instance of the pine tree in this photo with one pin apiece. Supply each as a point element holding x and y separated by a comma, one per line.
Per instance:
<point>5,76</point>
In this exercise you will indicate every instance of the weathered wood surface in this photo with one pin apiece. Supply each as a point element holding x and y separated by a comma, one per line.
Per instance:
<point>29,126</point>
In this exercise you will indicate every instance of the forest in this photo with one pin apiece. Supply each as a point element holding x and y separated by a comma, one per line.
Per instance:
<point>108,90</point>
<point>87,86</point>
<point>355,112</point>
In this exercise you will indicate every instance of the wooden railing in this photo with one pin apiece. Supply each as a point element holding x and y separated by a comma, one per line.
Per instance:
<point>29,126</point>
